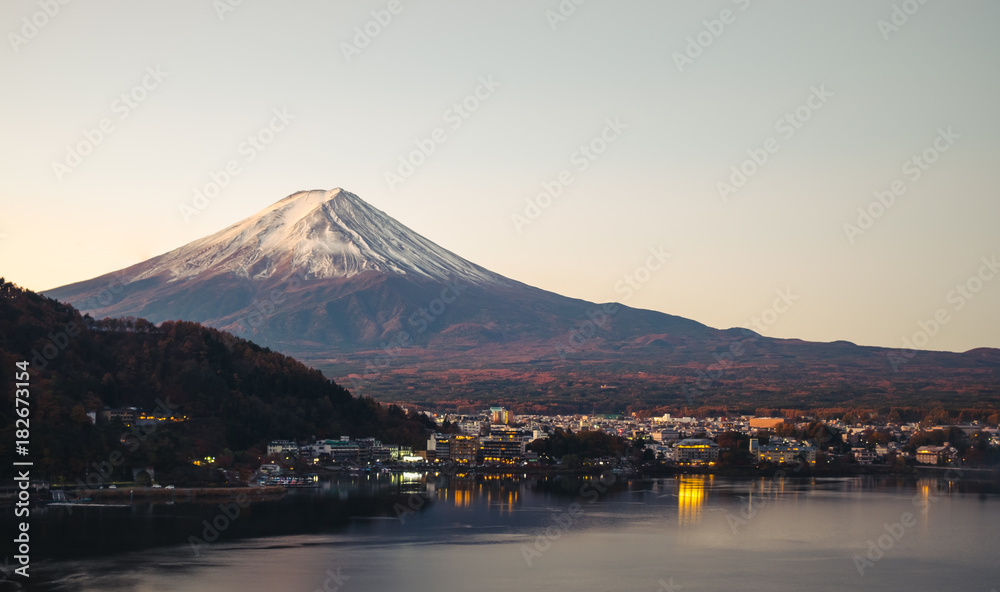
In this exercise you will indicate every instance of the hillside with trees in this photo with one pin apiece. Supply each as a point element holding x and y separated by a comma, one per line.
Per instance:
<point>236,396</point>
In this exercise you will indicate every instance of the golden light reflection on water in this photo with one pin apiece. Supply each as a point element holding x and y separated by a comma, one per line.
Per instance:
<point>925,487</point>
<point>463,498</point>
<point>692,492</point>
<point>927,494</point>
<point>498,491</point>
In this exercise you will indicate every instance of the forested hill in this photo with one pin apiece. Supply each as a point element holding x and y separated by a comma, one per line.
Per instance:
<point>237,395</point>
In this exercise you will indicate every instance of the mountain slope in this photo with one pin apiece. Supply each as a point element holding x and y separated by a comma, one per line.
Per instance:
<point>323,269</point>
<point>325,277</point>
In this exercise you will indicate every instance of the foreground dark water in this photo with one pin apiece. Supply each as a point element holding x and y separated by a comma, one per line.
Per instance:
<point>411,532</point>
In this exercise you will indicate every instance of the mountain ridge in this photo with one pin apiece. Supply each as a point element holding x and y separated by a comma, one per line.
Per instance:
<point>334,282</point>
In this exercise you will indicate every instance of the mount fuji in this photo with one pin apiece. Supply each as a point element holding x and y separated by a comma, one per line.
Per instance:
<point>325,271</point>
<point>316,235</point>
<point>329,279</point>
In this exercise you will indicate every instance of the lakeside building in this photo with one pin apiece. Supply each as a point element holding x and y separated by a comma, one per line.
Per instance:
<point>398,452</point>
<point>438,447</point>
<point>502,445</point>
<point>346,450</point>
<point>502,449</point>
<point>341,450</point>
<point>696,451</point>
<point>453,447</point>
<point>371,449</point>
<point>784,453</point>
<point>933,455</point>
<point>282,446</point>
<point>464,449</point>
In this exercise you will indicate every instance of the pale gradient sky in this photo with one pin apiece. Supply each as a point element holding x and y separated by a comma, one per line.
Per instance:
<point>655,186</point>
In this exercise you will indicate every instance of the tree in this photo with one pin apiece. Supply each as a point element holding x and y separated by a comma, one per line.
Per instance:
<point>584,444</point>
<point>734,448</point>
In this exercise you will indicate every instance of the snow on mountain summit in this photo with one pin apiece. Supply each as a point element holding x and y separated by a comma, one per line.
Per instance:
<point>317,234</point>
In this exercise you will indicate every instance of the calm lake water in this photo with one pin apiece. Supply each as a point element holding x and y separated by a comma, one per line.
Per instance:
<point>484,533</point>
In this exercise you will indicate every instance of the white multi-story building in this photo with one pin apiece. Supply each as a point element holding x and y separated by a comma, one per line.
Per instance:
<point>282,446</point>
<point>784,453</point>
<point>471,428</point>
<point>696,451</point>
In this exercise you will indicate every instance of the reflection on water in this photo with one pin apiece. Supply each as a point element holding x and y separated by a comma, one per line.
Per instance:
<point>463,498</point>
<point>469,532</point>
<point>691,495</point>
<point>500,492</point>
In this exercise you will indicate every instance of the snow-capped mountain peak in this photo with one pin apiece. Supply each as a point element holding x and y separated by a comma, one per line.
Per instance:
<point>317,234</point>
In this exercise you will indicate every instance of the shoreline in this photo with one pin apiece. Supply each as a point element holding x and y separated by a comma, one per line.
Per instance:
<point>180,494</point>
<point>253,494</point>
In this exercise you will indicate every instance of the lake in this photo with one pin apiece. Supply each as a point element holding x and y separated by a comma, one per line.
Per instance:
<point>504,533</point>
